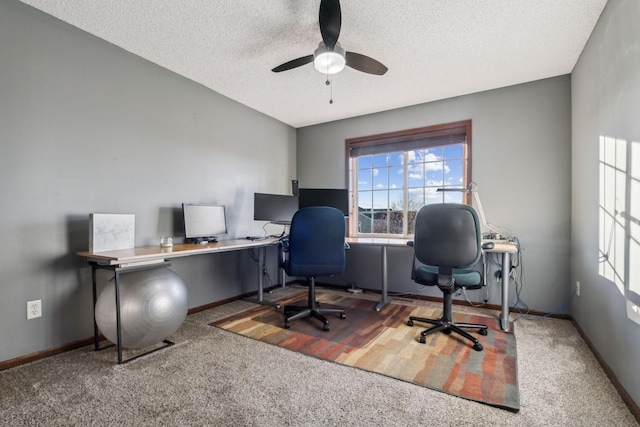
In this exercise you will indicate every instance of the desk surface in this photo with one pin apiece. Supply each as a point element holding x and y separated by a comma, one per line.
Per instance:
<point>155,253</point>
<point>501,247</point>
<point>384,241</point>
<point>377,241</point>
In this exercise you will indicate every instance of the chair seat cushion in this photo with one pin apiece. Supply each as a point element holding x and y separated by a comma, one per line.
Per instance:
<point>426,275</point>
<point>313,270</point>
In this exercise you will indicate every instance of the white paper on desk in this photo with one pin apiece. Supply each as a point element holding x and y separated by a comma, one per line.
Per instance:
<point>110,232</point>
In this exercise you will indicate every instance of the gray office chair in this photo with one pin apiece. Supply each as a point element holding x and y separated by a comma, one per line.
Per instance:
<point>315,247</point>
<point>447,245</point>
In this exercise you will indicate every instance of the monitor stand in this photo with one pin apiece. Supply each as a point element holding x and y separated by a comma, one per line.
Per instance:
<point>201,240</point>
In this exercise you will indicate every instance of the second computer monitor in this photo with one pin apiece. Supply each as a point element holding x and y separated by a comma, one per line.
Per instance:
<point>333,197</point>
<point>275,208</point>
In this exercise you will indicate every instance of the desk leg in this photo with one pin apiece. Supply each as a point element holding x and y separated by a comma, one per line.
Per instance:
<point>117,271</point>
<point>260,300</point>
<point>118,324</point>
<point>96,344</point>
<point>506,269</point>
<point>385,299</point>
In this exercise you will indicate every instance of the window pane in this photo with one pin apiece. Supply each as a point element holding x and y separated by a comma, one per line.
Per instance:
<point>365,162</point>
<point>365,224</point>
<point>433,196</point>
<point>364,211</point>
<point>396,158</point>
<point>416,175</point>
<point>415,156</point>
<point>453,172</point>
<point>396,177</point>
<point>455,151</point>
<point>411,225</point>
<point>365,179</point>
<point>416,199</point>
<point>380,200</point>
<point>433,154</point>
<point>396,216</point>
<point>453,197</point>
<point>396,200</point>
<point>365,200</point>
<point>434,176</point>
<point>380,160</point>
<point>380,178</point>
<point>396,220</point>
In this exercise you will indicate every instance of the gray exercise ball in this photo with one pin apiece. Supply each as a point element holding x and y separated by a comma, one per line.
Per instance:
<point>153,305</point>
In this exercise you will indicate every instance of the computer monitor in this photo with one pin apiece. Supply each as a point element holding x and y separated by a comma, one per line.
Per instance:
<point>334,197</point>
<point>203,223</point>
<point>275,208</point>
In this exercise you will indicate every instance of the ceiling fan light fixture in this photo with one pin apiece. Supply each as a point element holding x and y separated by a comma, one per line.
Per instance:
<point>329,62</point>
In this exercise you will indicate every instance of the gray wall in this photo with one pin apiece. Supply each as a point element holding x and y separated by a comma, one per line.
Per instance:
<point>606,102</point>
<point>87,127</point>
<point>521,162</point>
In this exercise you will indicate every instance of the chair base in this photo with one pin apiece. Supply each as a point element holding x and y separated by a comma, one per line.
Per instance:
<point>447,326</point>
<point>312,309</point>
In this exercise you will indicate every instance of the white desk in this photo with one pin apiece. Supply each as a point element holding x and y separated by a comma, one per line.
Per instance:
<point>506,249</point>
<point>135,259</point>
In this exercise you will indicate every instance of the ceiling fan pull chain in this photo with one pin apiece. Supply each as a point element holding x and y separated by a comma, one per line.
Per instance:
<point>328,83</point>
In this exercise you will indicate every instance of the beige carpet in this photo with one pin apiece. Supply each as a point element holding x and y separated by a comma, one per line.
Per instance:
<point>213,377</point>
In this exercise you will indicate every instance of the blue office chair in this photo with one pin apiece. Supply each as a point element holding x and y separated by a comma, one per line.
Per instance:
<point>447,245</point>
<point>315,247</point>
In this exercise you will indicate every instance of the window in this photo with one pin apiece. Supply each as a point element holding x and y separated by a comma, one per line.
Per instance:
<point>391,176</point>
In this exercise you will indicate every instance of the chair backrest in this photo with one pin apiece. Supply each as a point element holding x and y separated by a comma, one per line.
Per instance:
<point>316,242</point>
<point>447,235</point>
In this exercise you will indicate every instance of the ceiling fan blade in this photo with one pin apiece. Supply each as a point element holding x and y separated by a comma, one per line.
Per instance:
<point>295,63</point>
<point>365,64</point>
<point>330,20</point>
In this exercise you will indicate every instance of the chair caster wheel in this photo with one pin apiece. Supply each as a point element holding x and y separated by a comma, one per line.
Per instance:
<point>423,339</point>
<point>447,331</point>
<point>409,322</point>
<point>483,331</point>
<point>343,315</point>
<point>325,327</point>
<point>423,334</point>
<point>477,346</point>
<point>287,325</point>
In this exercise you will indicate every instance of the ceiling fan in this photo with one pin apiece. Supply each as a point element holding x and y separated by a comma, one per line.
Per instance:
<point>330,57</point>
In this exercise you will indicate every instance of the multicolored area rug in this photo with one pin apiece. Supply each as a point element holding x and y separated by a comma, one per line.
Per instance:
<point>382,342</point>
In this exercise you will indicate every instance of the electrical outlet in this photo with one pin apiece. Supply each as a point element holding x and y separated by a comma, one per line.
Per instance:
<point>34,309</point>
<point>577,288</point>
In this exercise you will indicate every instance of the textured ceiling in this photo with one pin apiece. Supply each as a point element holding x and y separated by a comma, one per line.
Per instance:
<point>434,49</point>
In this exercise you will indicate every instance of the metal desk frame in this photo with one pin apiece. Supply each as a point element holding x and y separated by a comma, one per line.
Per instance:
<point>144,258</point>
<point>506,249</point>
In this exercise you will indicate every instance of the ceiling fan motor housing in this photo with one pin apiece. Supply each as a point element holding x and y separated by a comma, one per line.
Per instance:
<point>327,61</point>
